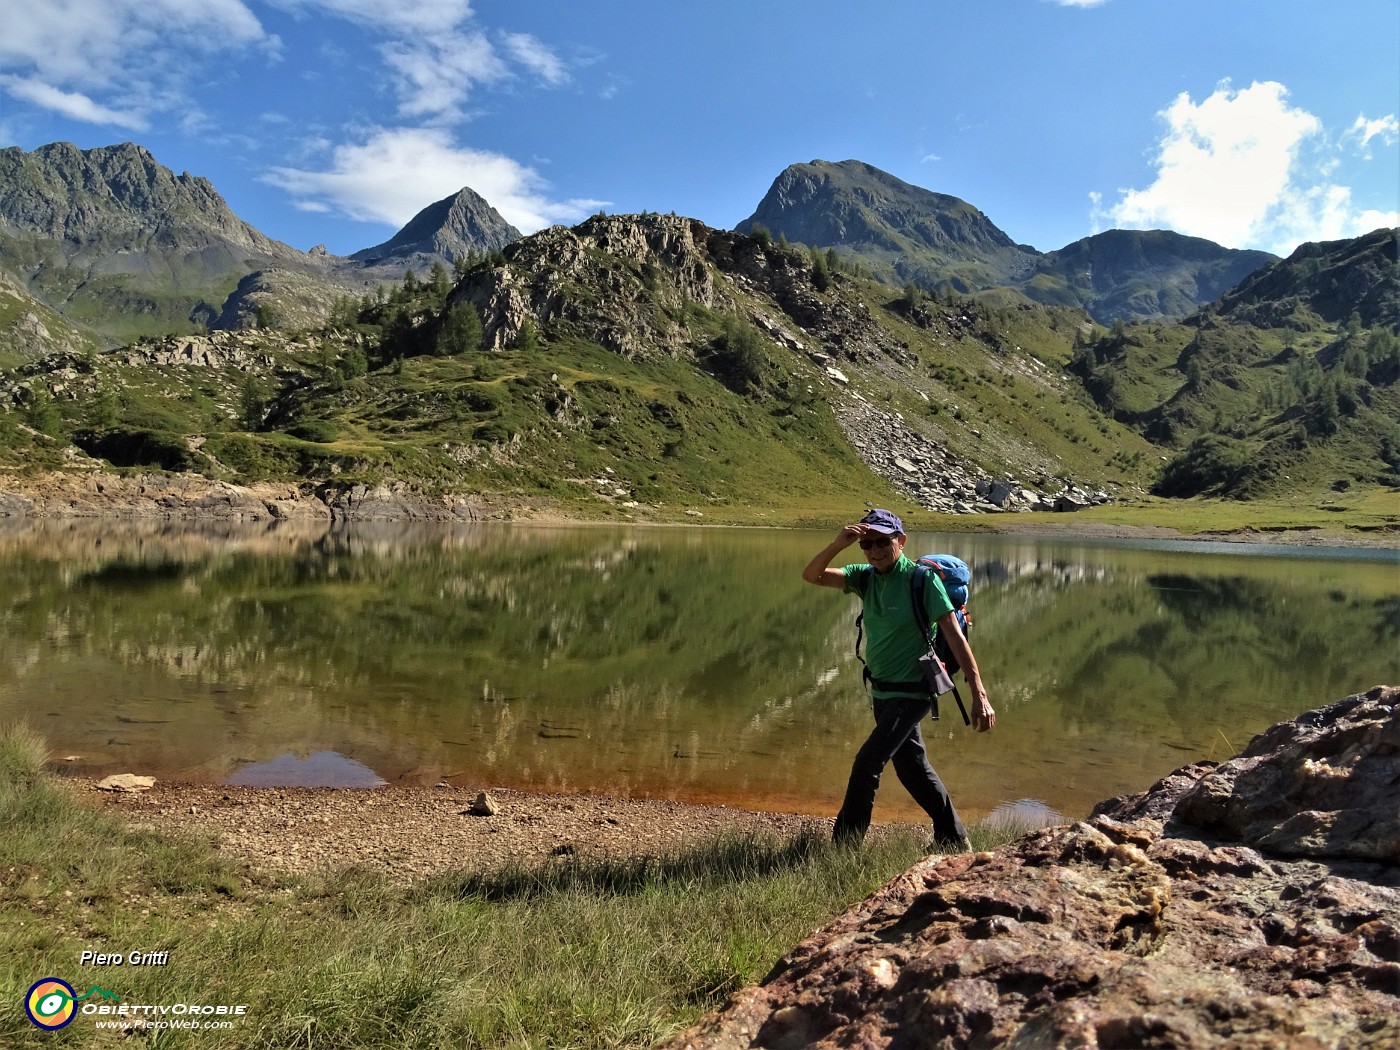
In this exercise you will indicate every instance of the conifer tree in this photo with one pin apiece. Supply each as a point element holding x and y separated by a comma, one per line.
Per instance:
<point>460,331</point>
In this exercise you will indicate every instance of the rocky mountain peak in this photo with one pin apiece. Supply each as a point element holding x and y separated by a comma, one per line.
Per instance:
<point>453,228</point>
<point>850,202</point>
<point>99,195</point>
<point>910,232</point>
<point>611,277</point>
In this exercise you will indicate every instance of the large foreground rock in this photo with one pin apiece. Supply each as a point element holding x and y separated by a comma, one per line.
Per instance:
<point>1251,905</point>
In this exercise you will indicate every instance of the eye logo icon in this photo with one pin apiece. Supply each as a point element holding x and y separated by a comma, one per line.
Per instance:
<point>50,1003</point>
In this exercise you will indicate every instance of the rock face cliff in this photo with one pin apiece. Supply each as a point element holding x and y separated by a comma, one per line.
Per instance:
<point>1253,904</point>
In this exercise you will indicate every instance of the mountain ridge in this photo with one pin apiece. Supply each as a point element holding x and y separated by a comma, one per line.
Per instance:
<point>123,247</point>
<point>1139,275</point>
<point>906,233</point>
<point>855,206</point>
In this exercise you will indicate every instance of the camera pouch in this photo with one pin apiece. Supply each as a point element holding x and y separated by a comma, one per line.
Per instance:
<point>935,674</point>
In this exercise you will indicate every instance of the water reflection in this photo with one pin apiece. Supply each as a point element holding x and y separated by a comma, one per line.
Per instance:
<point>322,769</point>
<point>688,663</point>
<point>1024,814</point>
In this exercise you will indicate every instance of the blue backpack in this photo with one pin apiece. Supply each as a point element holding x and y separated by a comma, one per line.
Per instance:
<point>956,577</point>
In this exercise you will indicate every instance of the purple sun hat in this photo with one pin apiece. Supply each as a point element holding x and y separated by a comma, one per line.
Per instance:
<point>883,521</point>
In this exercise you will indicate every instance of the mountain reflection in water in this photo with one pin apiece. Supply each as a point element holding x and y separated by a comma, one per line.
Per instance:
<point>676,662</point>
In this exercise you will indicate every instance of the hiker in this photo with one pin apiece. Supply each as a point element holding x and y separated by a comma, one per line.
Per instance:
<point>899,696</point>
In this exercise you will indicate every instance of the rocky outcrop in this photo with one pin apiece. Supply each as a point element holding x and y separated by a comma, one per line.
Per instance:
<point>617,279</point>
<point>190,497</point>
<point>166,496</point>
<point>1254,904</point>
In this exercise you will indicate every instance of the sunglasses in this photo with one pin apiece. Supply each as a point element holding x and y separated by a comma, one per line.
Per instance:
<point>883,541</point>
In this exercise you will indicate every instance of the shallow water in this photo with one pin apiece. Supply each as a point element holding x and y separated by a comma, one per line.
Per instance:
<point>669,662</point>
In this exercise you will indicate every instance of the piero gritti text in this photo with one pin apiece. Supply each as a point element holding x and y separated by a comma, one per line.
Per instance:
<point>118,959</point>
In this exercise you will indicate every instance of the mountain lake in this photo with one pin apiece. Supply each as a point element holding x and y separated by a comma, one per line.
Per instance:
<point>687,663</point>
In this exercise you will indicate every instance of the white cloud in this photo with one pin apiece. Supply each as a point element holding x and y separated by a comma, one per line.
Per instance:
<point>435,78</point>
<point>72,104</point>
<point>536,57</point>
<point>123,61</point>
<point>405,17</point>
<point>1079,3</point>
<point>1245,169</point>
<point>434,57</point>
<point>1362,130</point>
<point>396,172</point>
<point>63,53</point>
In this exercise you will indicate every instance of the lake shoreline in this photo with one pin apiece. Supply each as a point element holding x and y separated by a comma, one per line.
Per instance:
<point>196,502</point>
<point>410,833</point>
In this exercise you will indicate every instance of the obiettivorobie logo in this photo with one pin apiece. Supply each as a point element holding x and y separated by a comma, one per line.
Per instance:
<point>52,1003</point>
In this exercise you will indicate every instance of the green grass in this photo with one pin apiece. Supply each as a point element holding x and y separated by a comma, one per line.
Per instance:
<point>1359,511</point>
<point>583,952</point>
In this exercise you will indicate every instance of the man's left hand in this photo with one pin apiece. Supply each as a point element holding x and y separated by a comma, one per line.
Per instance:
<point>983,717</point>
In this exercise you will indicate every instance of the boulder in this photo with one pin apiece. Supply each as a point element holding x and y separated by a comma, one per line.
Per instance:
<point>1251,905</point>
<point>483,806</point>
<point>126,782</point>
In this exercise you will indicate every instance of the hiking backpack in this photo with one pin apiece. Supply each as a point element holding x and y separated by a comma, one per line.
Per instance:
<point>956,577</point>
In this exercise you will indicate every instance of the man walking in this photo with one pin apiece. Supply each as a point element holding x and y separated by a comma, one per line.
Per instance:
<point>900,697</point>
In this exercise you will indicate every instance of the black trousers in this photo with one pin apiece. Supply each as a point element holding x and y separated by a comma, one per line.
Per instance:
<point>896,738</point>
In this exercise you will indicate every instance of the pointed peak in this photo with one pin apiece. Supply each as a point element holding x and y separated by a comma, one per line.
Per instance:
<point>452,228</point>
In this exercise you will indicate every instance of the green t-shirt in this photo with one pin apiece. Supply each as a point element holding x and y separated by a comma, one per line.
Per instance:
<point>893,641</point>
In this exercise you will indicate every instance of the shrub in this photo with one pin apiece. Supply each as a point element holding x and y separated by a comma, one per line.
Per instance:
<point>136,447</point>
<point>1211,463</point>
<point>739,357</point>
<point>322,431</point>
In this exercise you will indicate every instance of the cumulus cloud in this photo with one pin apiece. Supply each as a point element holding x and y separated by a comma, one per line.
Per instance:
<point>1247,169</point>
<point>396,172</point>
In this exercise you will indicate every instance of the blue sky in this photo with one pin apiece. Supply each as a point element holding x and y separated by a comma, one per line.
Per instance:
<point>1255,123</point>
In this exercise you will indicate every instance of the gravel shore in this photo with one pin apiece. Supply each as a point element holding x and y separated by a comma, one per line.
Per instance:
<point>414,833</point>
